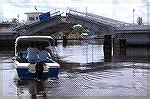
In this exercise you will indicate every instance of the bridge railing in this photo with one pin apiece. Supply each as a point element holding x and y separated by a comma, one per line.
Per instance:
<point>55,13</point>
<point>98,18</point>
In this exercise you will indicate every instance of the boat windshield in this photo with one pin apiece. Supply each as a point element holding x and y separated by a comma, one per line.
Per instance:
<point>21,58</point>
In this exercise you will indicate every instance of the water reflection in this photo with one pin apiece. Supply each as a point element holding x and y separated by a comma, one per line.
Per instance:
<point>81,53</point>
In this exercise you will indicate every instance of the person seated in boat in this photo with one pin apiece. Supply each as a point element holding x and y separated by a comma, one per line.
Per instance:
<point>43,55</point>
<point>32,55</point>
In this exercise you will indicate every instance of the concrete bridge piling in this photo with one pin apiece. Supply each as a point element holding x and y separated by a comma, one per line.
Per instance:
<point>107,48</point>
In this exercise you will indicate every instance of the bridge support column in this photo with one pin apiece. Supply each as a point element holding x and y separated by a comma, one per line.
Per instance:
<point>122,44</point>
<point>107,48</point>
<point>119,48</point>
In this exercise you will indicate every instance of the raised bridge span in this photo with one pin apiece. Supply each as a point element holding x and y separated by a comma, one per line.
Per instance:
<point>58,22</point>
<point>134,34</point>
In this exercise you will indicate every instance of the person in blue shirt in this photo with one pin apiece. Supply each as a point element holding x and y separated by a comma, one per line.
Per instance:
<point>32,55</point>
<point>43,55</point>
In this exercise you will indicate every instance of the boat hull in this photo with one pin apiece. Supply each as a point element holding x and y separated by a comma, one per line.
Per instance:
<point>25,74</point>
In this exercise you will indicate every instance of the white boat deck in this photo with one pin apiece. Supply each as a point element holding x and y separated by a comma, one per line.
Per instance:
<point>48,65</point>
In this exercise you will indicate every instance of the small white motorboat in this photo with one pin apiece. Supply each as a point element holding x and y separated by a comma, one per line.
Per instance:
<point>27,70</point>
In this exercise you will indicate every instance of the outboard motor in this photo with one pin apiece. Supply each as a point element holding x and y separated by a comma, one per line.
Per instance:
<point>39,70</point>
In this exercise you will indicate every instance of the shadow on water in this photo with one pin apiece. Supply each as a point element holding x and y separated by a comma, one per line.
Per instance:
<point>34,88</point>
<point>85,68</point>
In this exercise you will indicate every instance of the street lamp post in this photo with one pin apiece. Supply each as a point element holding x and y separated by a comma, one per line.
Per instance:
<point>133,32</point>
<point>86,10</point>
<point>133,19</point>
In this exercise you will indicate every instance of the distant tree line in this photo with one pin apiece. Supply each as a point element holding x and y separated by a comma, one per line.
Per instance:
<point>13,21</point>
<point>139,20</point>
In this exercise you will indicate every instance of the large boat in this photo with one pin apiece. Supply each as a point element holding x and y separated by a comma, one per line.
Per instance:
<point>27,70</point>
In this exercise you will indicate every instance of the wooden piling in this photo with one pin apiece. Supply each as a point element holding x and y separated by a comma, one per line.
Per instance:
<point>55,41</point>
<point>107,41</point>
<point>64,41</point>
<point>107,48</point>
<point>122,43</point>
<point>119,48</point>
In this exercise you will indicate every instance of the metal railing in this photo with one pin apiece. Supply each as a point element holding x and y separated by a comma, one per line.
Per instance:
<point>97,18</point>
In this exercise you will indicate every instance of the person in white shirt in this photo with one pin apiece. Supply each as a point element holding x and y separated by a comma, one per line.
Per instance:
<point>32,55</point>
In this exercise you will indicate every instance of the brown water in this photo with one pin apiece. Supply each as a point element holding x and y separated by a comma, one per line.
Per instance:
<point>126,75</point>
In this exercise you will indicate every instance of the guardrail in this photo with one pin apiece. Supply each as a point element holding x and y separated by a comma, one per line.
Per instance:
<point>104,20</point>
<point>55,13</point>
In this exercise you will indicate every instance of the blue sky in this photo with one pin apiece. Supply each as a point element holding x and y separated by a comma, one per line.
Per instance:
<point>116,9</point>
